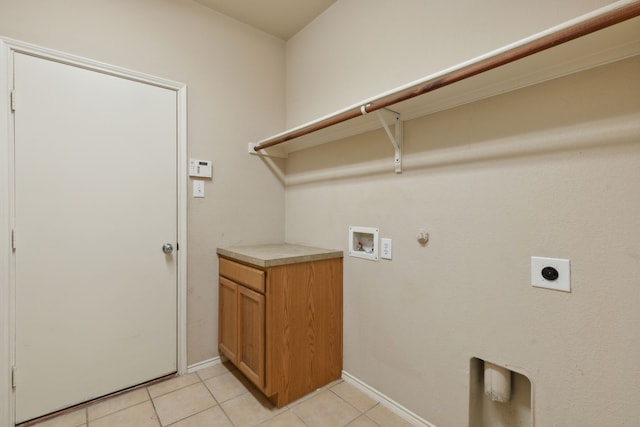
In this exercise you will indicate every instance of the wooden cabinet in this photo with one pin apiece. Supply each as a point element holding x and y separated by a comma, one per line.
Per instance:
<point>251,317</point>
<point>228,318</point>
<point>282,325</point>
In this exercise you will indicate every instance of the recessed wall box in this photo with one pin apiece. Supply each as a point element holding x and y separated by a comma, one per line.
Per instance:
<point>363,242</point>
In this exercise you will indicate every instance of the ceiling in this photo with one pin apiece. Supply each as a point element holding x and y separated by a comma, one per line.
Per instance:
<point>281,18</point>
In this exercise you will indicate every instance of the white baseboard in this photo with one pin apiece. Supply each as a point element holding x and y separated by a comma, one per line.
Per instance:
<point>204,364</point>
<point>392,405</point>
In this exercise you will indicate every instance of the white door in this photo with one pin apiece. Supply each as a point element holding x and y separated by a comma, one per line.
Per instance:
<point>95,200</point>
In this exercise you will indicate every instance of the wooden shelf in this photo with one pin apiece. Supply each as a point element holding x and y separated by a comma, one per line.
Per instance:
<point>605,41</point>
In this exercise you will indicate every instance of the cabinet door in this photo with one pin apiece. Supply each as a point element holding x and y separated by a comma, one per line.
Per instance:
<point>251,320</point>
<point>228,318</point>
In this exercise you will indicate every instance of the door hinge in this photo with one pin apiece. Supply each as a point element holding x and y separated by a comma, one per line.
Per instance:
<point>13,100</point>
<point>14,375</point>
<point>13,239</point>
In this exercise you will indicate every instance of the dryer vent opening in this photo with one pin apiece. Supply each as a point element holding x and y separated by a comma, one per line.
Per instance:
<point>498,396</point>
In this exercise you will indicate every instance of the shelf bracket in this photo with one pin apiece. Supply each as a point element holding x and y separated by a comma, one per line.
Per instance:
<point>396,138</point>
<point>269,152</point>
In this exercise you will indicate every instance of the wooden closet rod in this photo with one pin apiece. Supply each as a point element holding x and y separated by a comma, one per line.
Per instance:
<point>561,36</point>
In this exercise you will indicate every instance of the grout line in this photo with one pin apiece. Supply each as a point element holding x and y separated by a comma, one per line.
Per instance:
<point>371,409</point>
<point>115,412</point>
<point>202,381</point>
<point>360,413</point>
<point>386,401</point>
<point>190,415</point>
<point>175,389</point>
<point>153,405</point>
<point>92,402</point>
<point>288,408</point>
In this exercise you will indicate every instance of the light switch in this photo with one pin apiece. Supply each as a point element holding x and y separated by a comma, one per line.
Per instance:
<point>386,245</point>
<point>198,188</point>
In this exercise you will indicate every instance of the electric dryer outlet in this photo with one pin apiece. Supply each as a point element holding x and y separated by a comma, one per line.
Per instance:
<point>551,273</point>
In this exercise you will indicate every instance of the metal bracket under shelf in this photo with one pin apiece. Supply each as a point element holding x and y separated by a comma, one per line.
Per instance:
<point>396,138</point>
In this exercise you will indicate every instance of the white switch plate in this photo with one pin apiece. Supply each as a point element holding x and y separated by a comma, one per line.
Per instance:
<point>198,188</point>
<point>386,246</point>
<point>562,283</point>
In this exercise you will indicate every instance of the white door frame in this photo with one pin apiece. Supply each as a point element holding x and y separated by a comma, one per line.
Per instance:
<point>7,212</point>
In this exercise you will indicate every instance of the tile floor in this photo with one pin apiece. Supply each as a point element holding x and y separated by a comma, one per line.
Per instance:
<point>220,396</point>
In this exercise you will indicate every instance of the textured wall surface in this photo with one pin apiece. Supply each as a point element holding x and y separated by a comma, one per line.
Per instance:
<point>550,170</point>
<point>228,106</point>
<point>360,48</point>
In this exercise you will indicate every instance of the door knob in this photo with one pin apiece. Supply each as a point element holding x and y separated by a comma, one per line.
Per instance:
<point>167,248</point>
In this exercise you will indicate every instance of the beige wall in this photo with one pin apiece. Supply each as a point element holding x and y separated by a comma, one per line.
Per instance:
<point>360,48</point>
<point>219,60</point>
<point>551,170</point>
